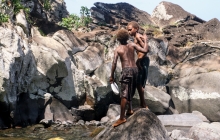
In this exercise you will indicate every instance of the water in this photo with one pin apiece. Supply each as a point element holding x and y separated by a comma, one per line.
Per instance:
<point>79,132</point>
<point>38,132</point>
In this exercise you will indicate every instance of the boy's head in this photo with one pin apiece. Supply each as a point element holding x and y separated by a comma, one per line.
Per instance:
<point>133,28</point>
<point>122,36</point>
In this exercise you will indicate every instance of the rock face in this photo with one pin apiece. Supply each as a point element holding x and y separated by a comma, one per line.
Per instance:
<point>183,34</point>
<point>195,80</point>
<point>118,14</point>
<point>143,124</point>
<point>167,13</point>
<point>54,11</point>
<point>210,30</point>
<point>190,95</point>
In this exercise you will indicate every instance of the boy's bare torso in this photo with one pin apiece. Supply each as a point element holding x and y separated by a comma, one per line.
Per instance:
<point>137,41</point>
<point>126,54</point>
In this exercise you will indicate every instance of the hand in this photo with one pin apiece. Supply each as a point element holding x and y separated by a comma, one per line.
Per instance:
<point>111,80</point>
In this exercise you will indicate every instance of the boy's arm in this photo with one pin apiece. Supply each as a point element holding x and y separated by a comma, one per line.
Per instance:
<point>114,63</point>
<point>140,41</point>
<point>145,47</point>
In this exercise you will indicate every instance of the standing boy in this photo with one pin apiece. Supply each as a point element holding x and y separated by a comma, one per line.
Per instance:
<point>128,79</point>
<point>142,61</point>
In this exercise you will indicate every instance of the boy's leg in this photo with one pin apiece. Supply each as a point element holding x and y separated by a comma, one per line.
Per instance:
<point>130,110</point>
<point>143,74</point>
<point>141,95</point>
<point>122,115</point>
<point>132,88</point>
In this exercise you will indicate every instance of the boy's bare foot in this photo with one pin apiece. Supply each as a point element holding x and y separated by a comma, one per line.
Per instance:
<point>146,107</point>
<point>129,112</point>
<point>118,122</point>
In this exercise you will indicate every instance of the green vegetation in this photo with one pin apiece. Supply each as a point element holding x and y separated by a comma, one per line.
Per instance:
<point>74,21</point>
<point>45,4</point>
<point>155,30</point>
<point>85,16</point>
<point>15,5</point>
<point>3,18</point>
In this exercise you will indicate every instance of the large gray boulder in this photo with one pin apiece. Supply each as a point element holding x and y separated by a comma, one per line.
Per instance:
<point>191,92</point>
<point>98,96</point>
<point>156,99</point>
<point>40,107</point>
<point>55,70</point>
<point>42,64</point>
<point>143,125</point>
<point>17,68</point>
<point>71,43</point>
<point>205,131</point>
<point>90,59</point>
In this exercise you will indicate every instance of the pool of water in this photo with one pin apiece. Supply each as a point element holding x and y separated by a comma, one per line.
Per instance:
<point>38,132</point>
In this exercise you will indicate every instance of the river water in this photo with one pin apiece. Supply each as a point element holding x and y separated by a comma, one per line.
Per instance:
<point>38,132</point>
<point>78,132</point>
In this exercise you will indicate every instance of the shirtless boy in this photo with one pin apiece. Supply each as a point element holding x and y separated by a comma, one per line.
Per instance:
<point>142,61</point>
<point>128,79</point>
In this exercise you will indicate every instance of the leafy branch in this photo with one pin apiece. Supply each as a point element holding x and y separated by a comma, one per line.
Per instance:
<point>74,22</point>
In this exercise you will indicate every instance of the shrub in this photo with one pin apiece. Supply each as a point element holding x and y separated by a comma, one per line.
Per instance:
<point>85,16</point>
<point>45,4</point>
<point>17,6</point>
<point>3,18</point>
<point>74,22</point>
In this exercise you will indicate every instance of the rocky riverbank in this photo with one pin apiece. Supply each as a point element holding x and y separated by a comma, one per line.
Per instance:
<point>51,75</point>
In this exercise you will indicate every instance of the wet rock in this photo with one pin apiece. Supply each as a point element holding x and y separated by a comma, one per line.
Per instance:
<point>81,122</point>
<point>46,123</point>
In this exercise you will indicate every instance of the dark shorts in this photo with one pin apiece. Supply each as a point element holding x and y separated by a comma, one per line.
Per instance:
<point>128,82</point>
<point>143,73</point>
